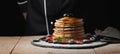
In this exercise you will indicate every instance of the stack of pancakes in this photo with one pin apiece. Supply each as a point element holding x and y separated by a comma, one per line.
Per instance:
<point>69,28</point>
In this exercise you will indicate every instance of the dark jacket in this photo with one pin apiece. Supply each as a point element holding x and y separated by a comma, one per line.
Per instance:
<point>36,24</point>
<point>11,20</point>
<point>94,12</point>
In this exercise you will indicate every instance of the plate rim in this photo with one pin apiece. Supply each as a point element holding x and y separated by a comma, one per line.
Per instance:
<point>74,46</point>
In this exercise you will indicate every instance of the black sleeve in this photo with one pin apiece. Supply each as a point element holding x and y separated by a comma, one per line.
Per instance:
<point>22,5</point>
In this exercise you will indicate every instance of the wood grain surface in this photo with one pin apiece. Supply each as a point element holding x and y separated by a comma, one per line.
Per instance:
<point>7,44</point>
<point>22,45</point>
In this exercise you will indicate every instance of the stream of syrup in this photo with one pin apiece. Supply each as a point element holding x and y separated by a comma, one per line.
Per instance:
<point>46,18</point>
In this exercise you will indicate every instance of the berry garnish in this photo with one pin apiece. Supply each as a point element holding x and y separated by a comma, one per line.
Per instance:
<point>55,41</point>
<point>47,39</point>
<point>71,41</point>
<point>92,39</point>
<point>78,41</point>
<point>86,41</point>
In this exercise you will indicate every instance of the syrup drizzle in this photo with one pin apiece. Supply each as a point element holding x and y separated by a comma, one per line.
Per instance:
<point>46,18</point>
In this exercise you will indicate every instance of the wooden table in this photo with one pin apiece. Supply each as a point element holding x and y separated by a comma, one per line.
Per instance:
<point>22,45</point>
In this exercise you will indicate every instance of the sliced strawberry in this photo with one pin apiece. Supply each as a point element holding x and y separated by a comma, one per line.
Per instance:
<point>50,41</point>
<point>43,38</point>
<point>63,42</point>
<point>78,41</point>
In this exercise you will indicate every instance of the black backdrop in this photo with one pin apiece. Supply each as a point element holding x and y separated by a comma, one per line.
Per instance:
<point>11,19</point>
<point>96,13</point>
<point>100,14</point>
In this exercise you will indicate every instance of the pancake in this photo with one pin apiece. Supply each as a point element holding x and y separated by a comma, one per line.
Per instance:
<point>69,28</point>
<point>69,22</point>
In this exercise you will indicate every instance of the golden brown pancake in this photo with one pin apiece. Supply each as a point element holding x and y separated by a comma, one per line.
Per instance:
<point>69,28</point>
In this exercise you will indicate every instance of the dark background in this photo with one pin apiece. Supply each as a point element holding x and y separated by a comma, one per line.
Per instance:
<point>11,19</point>
<point>96,13</point>
<point>101,14</point>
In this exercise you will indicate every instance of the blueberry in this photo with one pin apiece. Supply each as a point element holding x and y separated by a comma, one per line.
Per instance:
<point>55,41</point>
<point>86,41</point>
<point>68,15</point>
<point>71,41</point>
<point>92,39</point>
